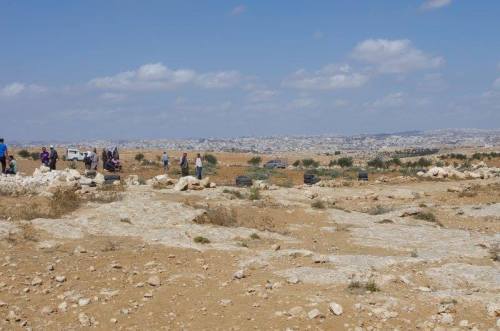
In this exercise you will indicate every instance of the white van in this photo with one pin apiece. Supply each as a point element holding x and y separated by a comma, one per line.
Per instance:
<point>73,154</point>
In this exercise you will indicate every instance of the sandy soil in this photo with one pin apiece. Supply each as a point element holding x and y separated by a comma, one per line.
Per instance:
<point>276,263</point>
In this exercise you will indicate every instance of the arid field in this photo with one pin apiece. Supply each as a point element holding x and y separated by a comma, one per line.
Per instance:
<point>413,248</point>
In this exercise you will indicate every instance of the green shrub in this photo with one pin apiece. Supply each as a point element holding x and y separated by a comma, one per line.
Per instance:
<point>377,163</point>
<point>201,240</point>
<point>337,153</point>
<point>35,156</point>
<point>345,162</point>
<point>318,204</point>
<point>139,157</point>
<point>210,159</point>
<point>296,163</point>
<point>254,236</point>
<point>255,161</point>
<point>24,154</point>
<point>310,163</point>
<point>254,193</point>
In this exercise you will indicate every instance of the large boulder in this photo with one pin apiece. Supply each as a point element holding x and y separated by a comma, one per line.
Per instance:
<point>186,182</point>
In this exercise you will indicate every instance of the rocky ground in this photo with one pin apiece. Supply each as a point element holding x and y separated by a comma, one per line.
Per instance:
<point>386,255</point>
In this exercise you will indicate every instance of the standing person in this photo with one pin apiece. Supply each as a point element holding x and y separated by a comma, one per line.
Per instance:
<point>94,160</point>
<point>12,170</point>
<point>184,165</point>
<point>164,159</point>
<point>53,157</point>
<point>199,166</point>
<point>44,157</point>
<point>4,153</point>
<point>104,158</point>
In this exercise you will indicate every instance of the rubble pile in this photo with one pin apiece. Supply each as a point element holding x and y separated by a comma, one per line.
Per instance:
<point>44,180</point>
<point>478,171</point>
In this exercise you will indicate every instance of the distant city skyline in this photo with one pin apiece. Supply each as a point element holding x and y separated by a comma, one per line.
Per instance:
<point>86,70</point>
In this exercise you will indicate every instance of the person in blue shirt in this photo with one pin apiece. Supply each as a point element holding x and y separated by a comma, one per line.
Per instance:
<point>4,153</point>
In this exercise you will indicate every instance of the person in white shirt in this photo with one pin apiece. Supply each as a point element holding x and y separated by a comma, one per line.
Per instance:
<point>164,159</point>
<point>199,166</point>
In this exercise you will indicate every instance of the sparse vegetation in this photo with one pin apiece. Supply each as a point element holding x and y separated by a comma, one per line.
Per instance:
<point>254,193</point>
<point>310,163</point>
<point>379,210</point>
<point>210,159</point>
<point>254,236</point>
<point>63,201</point>
<point>24,153</point>
<point>368,286</point>
<point>201,240</point>
<point>345,162</point>
<point>255,161</point>
<point>139,157</point>
<point>296,163</point>
<point>235,193</point>
<point>35,156</point>
<point>318,204</point>
<point>218,216</point>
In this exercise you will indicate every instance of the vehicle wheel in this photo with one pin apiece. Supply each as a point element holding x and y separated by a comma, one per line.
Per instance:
<point>111,177</point>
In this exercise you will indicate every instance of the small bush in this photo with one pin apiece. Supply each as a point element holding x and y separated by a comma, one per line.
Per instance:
<point>139,157</point>
<point>368,286</point>
<point>218,216</point>
<point>255,161</point>
<point>345,162</point>
<point>201,240</point>
<point>318,204</point>
<point>296,163</point>
<point>337,153</point>
<point>210,159</point>
<point>24,154</point>
<point>426,216</point>
<point>35,156</point>
<point>310,163</point>
<point>379,210</point>
<point>254,193</point>
<point>235,193</point>
<point>63,201</point>
<point>372,286</point>
<point>254,236</point>
<point>377,163</point>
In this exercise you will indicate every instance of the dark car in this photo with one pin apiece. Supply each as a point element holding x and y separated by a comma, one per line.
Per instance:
<point>310,179</point>
<point>243,181</point>
<point>275,164</point>
<point>363,175</point>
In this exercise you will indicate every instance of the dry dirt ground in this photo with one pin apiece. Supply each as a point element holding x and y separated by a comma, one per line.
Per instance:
<point>416,255</point>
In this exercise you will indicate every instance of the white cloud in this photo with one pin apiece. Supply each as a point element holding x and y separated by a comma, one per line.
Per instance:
<point>435,4</point>
<point>113,97</point>
<point>238,10</point>
<point>496,84</point>
<point>12,89</point>
<point>261,95</point>
<point>330,77</point>
<point>394,56</point>
<point>15,89</point>
<point>156,76</point>
<point>392,100</point>
<point>303,103</point>
<point>221,79</point>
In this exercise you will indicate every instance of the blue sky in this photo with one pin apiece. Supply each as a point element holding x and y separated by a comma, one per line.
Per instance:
<point>173,69</point>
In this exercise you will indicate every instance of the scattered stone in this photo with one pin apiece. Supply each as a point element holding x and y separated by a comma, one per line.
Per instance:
<point>154,281</point>
<point>315,313</point>
<point>63,307</point>
<point>47,310</point>
<point>225,302</point>
<point>84,319</point>
<point>293,280</point>
<point>239,274</point>
<point>36,281</point>
<point>335,308</point>
<point>83,301</point>
<point>60,279</point>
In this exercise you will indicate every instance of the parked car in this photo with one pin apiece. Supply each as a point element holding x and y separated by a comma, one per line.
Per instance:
<point>73,154</point>
<point>363,175</point>
<point>310,179</point>
<point>243,181</point>
<point>275,164</point>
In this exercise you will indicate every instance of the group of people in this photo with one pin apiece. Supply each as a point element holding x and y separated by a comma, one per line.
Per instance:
<point>49,158</point>
<point>184,164</point>
<point>9,164</point>
<point>110,160</point>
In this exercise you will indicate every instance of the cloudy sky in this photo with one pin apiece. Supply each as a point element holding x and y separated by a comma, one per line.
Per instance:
<point>172,69</point>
